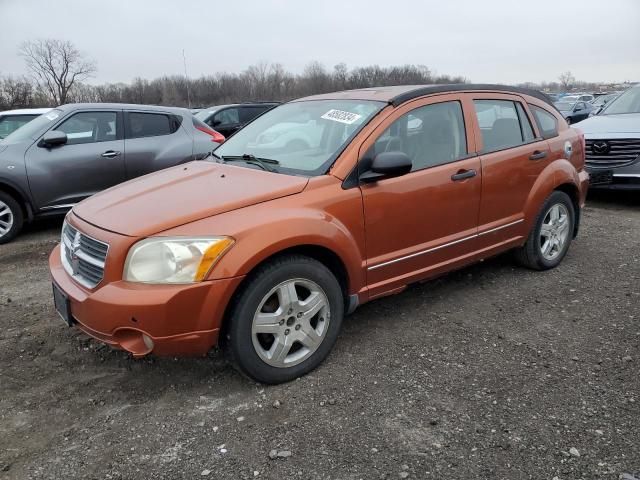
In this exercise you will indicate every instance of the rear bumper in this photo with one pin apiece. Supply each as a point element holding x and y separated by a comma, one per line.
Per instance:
<point>179,320</point>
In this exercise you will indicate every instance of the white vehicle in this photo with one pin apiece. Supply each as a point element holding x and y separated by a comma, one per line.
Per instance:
<point>11,120</point>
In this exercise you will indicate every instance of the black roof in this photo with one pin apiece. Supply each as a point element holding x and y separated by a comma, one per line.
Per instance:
<point>429,89</point>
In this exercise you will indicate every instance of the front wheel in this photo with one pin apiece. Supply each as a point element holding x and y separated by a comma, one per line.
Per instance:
<point>11,218</point>
<point>285,320</point>
<point>551,235</point>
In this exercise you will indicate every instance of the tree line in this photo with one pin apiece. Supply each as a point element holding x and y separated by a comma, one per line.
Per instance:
<point>258,82</point>
<point>58,72</point>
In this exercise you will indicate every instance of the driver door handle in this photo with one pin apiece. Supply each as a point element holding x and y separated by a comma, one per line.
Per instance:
<point>538,155</point>
<point>110,154</point>
<point>463,175</point>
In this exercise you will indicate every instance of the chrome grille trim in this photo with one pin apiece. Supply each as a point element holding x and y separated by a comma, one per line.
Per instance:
<point>83,257</point>
<point>619,152</point>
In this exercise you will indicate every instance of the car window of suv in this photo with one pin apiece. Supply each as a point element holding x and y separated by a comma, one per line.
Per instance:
<point>249,113</point>
<point>547,123</point>
<point>227,116</point>
<point>89,127</point>
<point>430,135</point>
<point>500,124</point>
<point>139,125</point>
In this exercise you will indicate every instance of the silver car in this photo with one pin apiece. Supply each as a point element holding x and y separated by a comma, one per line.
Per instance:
<point>613,143</point>
<point>74,151</point>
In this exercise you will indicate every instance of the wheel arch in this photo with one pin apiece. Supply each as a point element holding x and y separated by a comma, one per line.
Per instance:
<point>559,175</point>
<point>16,192</point>
<point>320,253</point>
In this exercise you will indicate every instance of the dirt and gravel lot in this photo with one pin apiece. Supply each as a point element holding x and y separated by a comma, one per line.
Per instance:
<point>490,372</point>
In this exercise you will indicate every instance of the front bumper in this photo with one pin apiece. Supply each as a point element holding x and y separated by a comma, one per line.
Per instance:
<point>180,320</point>
<point>622,178</point>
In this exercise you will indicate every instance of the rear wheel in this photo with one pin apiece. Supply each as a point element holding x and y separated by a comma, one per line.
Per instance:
<point>551,235</point>
<point>11,218</point>
<point>285,321</point>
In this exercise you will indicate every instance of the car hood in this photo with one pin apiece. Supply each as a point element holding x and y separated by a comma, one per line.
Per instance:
<point>183,194</point>
<point>602,124</point>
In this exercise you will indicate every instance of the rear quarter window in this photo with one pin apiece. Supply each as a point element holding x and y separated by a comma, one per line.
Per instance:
<point>547,122</point>
<point>141,125</point>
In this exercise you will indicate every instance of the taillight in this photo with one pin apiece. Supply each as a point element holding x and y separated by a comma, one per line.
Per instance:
<point>215,136</point>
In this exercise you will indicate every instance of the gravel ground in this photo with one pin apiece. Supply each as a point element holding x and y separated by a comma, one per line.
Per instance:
<point>490,372</point>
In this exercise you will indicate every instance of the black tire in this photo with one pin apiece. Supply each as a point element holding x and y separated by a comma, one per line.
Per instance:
<point>16,214</point>
<point>530,255</point>
<point>238,338</point>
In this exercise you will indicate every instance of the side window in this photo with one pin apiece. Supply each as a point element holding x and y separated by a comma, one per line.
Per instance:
<point>249,113</point>
<point>227,116</point>
<point>547,123</point>
<point>141,125</point>
<point>430,135</point>
<point>527,130</point>
<point>89,127</point>
<point>500,124</point>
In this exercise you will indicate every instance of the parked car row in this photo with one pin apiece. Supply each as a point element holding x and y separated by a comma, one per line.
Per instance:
<point>578,107</point>
<point>74,151</point>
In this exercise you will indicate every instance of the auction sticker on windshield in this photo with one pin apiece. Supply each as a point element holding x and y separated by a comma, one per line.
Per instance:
<point>51,116</point>
<point>341,116</point>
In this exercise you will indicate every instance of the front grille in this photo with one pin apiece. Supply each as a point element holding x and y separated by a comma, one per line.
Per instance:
<point>612,153</point>
<point>83,257</point>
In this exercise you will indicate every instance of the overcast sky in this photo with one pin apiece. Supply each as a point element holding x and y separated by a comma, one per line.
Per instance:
<point>501,41</point>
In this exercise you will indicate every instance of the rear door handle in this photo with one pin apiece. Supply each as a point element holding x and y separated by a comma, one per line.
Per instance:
<point>463,175</point>
<point>538,155</point>
<point>110,154</point>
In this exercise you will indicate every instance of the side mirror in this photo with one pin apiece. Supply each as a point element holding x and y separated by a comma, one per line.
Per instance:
<point>216,123</point>
<point>387,165</point>
<point>53,138</point>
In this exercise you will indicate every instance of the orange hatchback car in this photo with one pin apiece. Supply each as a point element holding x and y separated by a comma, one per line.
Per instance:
<point>312,209</point>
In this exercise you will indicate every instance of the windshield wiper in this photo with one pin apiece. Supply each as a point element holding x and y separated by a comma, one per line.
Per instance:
<point>263,163</point>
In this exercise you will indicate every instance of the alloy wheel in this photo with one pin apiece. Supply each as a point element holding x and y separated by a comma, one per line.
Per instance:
<point>290,323</point>
<point>6,218</point>
<point>554,231</point>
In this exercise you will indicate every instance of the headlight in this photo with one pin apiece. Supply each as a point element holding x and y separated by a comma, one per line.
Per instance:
<point>174,259</point>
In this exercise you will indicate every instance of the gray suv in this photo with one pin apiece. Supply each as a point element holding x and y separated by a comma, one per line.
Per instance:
<point>76,150</point>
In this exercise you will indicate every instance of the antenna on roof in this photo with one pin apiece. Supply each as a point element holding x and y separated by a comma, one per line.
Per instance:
<point>186,77</point>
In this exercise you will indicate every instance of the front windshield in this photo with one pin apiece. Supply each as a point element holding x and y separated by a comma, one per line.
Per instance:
<point>304,137</point>
<point>628,102</point>
<point>32,129</point>
<point>564,106</point>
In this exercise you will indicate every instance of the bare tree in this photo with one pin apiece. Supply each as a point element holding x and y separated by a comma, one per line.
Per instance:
<point>567,80</point>
<point>15,92</point>
<point>56,65</point>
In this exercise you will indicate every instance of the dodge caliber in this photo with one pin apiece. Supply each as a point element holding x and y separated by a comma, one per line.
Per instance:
<point>265,250</point>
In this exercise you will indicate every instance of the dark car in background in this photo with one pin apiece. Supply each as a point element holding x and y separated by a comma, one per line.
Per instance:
<point>574,112</point>
<point>613,143</point>
<point>228,119</point>
<point>76,150</point>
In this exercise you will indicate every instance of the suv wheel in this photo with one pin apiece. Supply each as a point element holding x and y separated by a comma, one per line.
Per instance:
<point>11,218</point>
<point>551,235</point>
<point>285,321</point>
